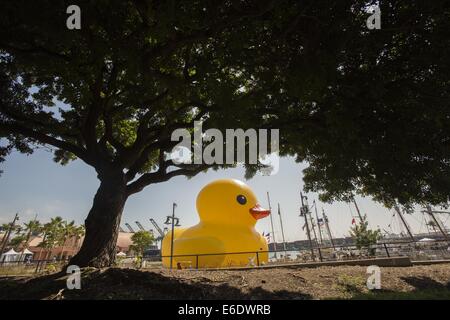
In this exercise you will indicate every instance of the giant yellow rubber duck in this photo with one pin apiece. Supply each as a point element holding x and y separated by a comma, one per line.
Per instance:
<point>225,235</point>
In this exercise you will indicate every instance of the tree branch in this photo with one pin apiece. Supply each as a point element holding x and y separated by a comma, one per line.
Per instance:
<point>163,175</point>
<point>180,39</point>
<point>45,126</point>
<point>93,114</point>
<point>35,50</point>
<point>46,139</point>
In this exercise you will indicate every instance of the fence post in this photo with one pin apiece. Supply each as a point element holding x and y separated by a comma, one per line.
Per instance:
<point>320,254</point>
<point>196,262</point>
<point>387,250</point>
<point>257,258</point>
<point>37,266</point>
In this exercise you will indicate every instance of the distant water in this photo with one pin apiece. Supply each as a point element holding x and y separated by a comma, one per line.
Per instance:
<point>281,254</point>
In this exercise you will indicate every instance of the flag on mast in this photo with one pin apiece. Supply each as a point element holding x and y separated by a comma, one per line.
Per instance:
<point>267,236</point>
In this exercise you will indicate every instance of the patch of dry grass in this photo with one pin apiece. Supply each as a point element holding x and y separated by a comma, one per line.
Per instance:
<point>338,282</point>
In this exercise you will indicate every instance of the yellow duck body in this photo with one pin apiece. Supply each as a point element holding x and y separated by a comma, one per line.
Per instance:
<point>226,234</point>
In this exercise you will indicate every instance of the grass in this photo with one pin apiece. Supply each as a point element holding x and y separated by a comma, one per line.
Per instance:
<point>354,288</point>
<point>424,294</point>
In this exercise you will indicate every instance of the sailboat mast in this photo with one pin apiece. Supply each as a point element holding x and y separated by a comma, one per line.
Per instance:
<point>271,224</point>
<point>402,218</point>
<point>317,221</point>
<point>282,229</point>
<point>357,210</point>
<point>325,219</point>
<point>304,212</point>
<point>437,222</point>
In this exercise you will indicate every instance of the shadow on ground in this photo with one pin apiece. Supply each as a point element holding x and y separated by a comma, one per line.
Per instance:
<point>127,284</point>
<point>130,284</point>
<point>425,288</point>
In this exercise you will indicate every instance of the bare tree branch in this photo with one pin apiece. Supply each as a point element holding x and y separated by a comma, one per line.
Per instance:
<point>163,175</point>
<point>46,139</point>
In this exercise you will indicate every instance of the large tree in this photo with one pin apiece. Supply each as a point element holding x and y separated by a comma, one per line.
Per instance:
<point>344,97</point>
<point>386,117</point>
<point>134,72</point>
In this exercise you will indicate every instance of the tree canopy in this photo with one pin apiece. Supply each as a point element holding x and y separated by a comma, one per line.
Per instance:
<point>142,240</point>
<point>387,116</point>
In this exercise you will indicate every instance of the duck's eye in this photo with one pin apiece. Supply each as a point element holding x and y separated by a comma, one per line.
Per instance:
<point>241,199</point>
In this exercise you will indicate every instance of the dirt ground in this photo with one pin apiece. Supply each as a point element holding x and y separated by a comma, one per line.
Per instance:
<point>340,282</point>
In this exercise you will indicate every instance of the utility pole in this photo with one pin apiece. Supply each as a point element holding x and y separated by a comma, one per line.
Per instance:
<point>271,224</point>
<point>8,233</point>
<point>174,205</point>
<point>408,229</point>
<point>282,230</point>
<point>357,210</point>
<point>174,221</point>
<point>304,212</point>
<point>431,213</point>
<point>325,218</point>
<point>318,226</point>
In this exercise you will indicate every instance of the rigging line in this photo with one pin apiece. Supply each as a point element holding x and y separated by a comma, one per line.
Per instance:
<point>421,225</point>
<point>397,226</point>
<point>426,223</point>
<point>417,220</point>
<point>448,216</point>
<point>351,212</point>
<point>390,223</point>
<point>361,208</point>
<point>402,227</point>
<point>440,214</point>
<point>398,223</point>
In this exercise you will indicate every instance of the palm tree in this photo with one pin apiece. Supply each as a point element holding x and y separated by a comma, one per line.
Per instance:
<point>79,232</point>
<point>17,241</point>
<point>76,234</point>
<point>68,231</point>
<point>33,227</point>
<point>52,234</point>
<point>19,236</point>
<point>7,226</point>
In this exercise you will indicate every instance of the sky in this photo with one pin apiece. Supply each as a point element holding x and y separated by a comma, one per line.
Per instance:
<point>34,184</point>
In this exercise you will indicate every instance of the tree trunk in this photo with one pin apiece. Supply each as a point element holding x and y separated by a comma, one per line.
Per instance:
<point>102,225</point>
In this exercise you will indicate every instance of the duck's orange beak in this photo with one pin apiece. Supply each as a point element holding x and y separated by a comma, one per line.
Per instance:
<point>258,213</point>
